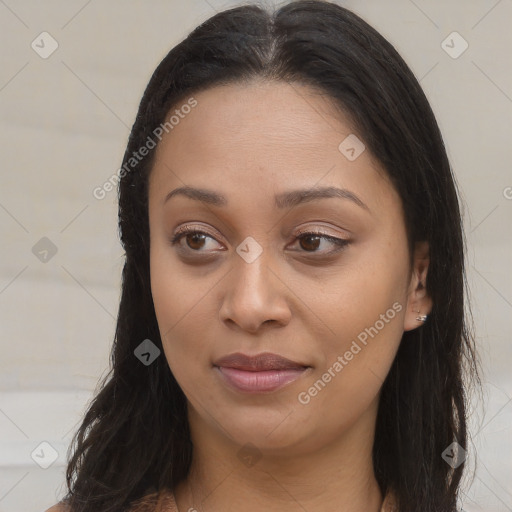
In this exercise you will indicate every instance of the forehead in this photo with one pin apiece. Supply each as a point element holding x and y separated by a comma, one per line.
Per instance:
<point>277,116</point>
<point>261,137</point>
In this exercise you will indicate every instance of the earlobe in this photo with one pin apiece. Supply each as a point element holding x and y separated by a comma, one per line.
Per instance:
<point>420,317</point>
<point>419,302</point>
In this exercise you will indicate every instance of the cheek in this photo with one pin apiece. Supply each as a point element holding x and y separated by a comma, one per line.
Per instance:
<point>357,359</point>
<point>182,313</point>
<point>365,311</point>
<point>179,292</point>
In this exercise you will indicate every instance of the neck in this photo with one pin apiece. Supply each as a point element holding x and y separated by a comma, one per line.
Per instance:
<point>336,477</point>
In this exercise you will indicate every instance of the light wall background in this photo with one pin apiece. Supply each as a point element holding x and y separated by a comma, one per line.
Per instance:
<point>64,124</point>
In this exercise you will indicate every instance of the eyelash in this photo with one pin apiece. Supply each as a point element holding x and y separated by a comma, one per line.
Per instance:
<point>340,242</point>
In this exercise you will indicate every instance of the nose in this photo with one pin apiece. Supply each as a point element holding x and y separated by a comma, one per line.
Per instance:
<point>254,295</point>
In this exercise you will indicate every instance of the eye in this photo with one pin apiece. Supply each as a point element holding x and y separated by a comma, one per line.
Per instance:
<point>309,240</point>
<point>313,239</point>
<point>195,238</point>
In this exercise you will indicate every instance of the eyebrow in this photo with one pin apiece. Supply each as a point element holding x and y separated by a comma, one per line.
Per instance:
<point>282,200</point>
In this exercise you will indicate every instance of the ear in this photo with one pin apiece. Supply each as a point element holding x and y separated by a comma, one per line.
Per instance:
<point>419,302</point>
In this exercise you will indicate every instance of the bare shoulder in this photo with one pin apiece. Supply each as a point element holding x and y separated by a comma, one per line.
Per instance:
<point>59,507</point>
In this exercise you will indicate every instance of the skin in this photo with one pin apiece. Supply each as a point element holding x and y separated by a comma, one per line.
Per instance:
<point>298,299</point>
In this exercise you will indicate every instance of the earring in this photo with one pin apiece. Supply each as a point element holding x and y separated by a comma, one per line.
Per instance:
<point>420,318</point>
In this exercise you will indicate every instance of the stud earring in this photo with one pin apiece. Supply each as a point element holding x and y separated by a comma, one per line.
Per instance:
<point>420,318</point>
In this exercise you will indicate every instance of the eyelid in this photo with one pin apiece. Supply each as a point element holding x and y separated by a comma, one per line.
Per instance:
<point>191,228</point>
<point>315,231</point>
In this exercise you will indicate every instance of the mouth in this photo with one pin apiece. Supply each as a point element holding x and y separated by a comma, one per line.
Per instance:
<point>262,373</point>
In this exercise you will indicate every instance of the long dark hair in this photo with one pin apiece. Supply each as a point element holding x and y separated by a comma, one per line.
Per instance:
<point>134,438</point>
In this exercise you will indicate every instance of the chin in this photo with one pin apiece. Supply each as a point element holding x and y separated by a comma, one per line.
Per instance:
<point>270,429</point>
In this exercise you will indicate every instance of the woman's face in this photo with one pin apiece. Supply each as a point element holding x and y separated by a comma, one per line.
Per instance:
<point>335,303</point>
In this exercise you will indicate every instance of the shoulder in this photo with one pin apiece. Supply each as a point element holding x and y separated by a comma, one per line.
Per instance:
<point>155,501</point>
<point>58,508</point>
<point>148,503</point>
<point>389,504</point>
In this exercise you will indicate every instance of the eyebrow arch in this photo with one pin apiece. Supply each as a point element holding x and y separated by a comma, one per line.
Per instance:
<point>283,200</point>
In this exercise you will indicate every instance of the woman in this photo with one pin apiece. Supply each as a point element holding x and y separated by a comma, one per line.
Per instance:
<point>291,329</point>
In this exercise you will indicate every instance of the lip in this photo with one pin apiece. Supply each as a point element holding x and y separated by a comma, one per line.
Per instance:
<point>259,362</point>
<point>261,373</point>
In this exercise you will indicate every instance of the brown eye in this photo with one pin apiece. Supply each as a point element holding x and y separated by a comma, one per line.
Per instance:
<point>196,240</point>
<point>310,242</point>
<point>307,243</point>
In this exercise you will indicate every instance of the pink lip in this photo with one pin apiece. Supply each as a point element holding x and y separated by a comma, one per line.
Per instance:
<point>261,373</point>
<point>259,382</point>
